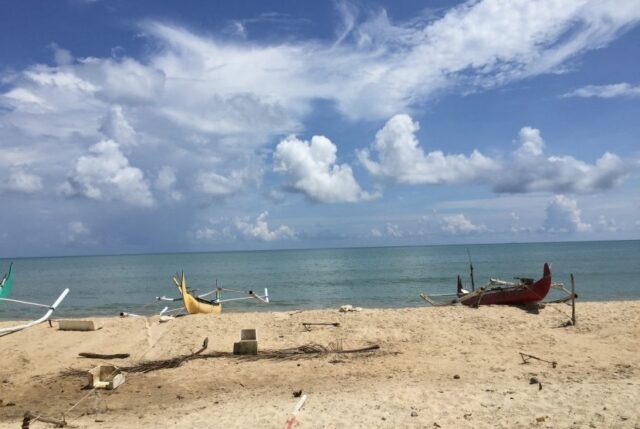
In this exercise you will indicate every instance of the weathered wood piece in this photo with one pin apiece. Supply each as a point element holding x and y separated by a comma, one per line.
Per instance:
<point>32,417</point>
<point>307,325</point>
<point>104,356</point>
<point>526,357</point>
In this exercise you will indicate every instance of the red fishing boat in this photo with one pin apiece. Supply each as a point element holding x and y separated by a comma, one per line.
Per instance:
<point>500,292</point>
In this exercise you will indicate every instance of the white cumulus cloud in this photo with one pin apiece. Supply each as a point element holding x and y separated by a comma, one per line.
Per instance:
<point>459,224</point>
<point>531,170</point>
<point>401,158</point>
<point>391,230</point>
<point>312,170</point>
<point>195,97</point>
<point>116,127</point>
<point>166,181</point>
<point>23,182</point>
<point>219,185</point>
<point>563,215</point>
<point>396,154</point>
<point>77,232</point>
<point>260,229</point>
<point>606,225</point>
<point>106,175</point>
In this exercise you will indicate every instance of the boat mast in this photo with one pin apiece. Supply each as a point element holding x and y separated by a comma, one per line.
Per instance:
<point>473,284</point>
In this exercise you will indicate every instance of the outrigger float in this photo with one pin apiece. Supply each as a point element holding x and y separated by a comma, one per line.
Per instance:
<point>500,292</point>
<point>6,285</point>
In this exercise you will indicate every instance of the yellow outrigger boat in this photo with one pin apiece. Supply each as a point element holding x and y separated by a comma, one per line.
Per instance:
<point>195,304</point>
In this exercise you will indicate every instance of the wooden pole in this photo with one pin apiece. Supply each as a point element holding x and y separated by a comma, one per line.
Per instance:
<point>573,301</point>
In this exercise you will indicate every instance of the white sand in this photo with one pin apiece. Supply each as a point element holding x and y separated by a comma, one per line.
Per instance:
<point>409,382</point>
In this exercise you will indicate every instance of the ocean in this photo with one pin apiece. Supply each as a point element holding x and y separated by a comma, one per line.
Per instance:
<point>315,278</point>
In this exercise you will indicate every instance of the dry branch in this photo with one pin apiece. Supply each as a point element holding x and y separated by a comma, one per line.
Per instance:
<point>306,350</point>
<point>525,359</point>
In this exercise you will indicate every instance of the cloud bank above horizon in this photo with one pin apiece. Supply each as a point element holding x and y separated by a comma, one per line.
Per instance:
<point>199,120</point>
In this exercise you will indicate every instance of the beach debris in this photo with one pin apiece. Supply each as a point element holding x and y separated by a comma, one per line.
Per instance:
<point>155,365</point>
<point>164,318</point>
<point>307,350</point>
<point>539,386</point>
<point>105,377</point>
<point>414,414</point>
<point>248,344</point>
<point>314,349</point>
<point>78,325</point>
<point>541,419</point>
<point>457,377</point>
<point>307,325</point>
<point>103,356</point>
<point>125,314</point>
<point>526,358</point>
<point>30,417</point>
<point>533,380</point>
<point>348,308</point>
<point>297,393</point>
<point>291,421</point>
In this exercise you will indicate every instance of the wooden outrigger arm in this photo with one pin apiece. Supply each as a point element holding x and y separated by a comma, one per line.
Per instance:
<point>252,295</point>
<point>47,315</point>
<point>429,299</point>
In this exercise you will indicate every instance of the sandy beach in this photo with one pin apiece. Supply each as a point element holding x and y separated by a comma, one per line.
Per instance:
<point>449,367</point>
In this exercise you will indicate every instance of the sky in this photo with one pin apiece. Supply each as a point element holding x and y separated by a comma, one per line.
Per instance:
<point>156,126</point>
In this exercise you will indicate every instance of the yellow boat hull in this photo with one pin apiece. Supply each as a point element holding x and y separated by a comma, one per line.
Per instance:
<point>191,304</point>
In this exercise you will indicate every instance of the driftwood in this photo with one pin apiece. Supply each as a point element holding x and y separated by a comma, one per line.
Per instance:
<point>29,417</point>
<point>308,324</point>
<point>525,359</point>
<point>104,356</point>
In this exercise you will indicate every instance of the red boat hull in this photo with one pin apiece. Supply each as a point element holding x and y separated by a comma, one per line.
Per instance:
<point>511,295</point>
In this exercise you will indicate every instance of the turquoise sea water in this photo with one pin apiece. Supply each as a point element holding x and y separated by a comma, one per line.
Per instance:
<point>318,278</point>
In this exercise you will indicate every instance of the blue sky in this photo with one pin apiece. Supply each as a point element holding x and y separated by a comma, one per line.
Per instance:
<point>158,127</point>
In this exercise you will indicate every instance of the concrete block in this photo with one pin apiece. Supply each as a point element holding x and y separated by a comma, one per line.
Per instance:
<point>245,347</point>
<point>105,377</point>
<point>248,334</point>
<point>78,325</point>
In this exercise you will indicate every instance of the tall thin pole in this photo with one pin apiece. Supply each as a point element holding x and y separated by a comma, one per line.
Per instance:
<point>473,283</point>
<point>573,301</point>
